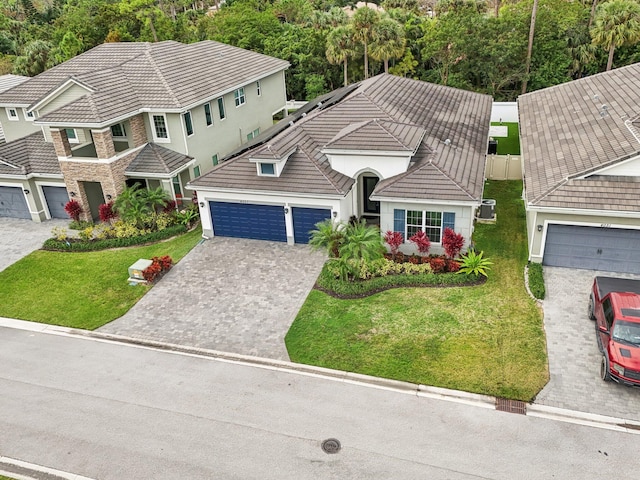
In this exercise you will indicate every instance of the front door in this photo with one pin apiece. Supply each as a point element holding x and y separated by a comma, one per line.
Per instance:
<point>95,198</point>
<point>369,206</point>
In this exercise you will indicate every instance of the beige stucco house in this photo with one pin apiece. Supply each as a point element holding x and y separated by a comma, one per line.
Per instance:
<point>404,154</point>
<point>158,114</point>
<point>580,145</point>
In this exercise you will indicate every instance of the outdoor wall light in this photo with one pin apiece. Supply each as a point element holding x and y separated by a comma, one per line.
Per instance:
<point>72,194</point>
<point>109,197</point>
<point>539,228</point>
<point>335,214</point>
<point>26,191</point>
<point>286,210</point>
<point>201,204</point>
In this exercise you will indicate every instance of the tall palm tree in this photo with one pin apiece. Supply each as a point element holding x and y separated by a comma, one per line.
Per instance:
<point>388,41</point>
<point>532,30</point>
<point>617,23</point>
<point>363,22</point>
<point>340,47</point>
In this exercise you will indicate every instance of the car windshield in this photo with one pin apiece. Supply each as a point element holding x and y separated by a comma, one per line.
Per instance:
<point>627,332</point>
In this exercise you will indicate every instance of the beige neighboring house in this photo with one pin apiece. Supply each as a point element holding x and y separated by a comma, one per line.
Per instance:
<point>404,154</point>
<point>580,145</point>
<point>6,82</point>
<point>158,114</point>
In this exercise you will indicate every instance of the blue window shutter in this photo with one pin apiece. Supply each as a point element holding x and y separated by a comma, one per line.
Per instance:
<point>449,220</point>
<point>398,220</point>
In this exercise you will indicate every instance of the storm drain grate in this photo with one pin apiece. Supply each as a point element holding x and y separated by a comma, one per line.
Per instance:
<point>331,445</point>
<point>511,406</point>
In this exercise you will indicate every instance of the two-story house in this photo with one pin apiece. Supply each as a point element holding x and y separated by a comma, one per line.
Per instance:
<point>159,114</point>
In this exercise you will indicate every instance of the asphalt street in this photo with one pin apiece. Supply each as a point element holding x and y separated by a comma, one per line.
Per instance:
<point>114,411</point>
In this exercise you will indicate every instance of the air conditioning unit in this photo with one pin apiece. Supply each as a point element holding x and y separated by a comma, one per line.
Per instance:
<point>488,208</point>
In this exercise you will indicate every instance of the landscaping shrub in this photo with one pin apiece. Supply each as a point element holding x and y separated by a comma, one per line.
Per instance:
<point>106,212</point>
<point>536,280</point>
<point>394,240</point>
<point>452,243</point>
<point>73,209</point>
<point>79,224</point>
<point>422,241</point>
<point>73,245</point>
<point>474,264</point>
<point>159,265</point>
<point>438,264</point>
<point>328,235</point>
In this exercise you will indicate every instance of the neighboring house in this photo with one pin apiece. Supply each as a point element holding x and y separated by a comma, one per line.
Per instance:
<point>158,114</point>
<point>402,153</point>
<point>581,151</point>
<point>7,82</point>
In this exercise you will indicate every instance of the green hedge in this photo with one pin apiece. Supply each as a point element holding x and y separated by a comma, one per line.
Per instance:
<point>536,280</point>
<point>334,286</point>
<point>82,246</point>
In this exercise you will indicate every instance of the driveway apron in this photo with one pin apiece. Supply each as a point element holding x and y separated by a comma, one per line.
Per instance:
<point>227,294</point>
<point>20,237</point>
<point>574,358</point>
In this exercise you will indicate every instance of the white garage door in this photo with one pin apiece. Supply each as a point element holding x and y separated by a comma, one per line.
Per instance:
<point>593,248</point>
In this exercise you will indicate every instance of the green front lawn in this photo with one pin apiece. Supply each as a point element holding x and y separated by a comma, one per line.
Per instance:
<point>487,339</point>
<point>508,145</point>
<point>80,290</point>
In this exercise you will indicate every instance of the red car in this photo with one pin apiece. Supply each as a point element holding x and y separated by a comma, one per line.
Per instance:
<point>615,306</point>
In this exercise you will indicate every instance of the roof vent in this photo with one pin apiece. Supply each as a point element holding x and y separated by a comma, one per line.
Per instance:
<point>603,110</point>
<point>291,123</point>
<point>447,142</point>
<point>304,114</point>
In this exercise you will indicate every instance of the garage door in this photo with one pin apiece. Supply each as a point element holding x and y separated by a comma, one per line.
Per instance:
<point>305,219</point>
<point>56,198</point>
<point>594,248</point>
<point>12,203</point>
<point>260,222</point>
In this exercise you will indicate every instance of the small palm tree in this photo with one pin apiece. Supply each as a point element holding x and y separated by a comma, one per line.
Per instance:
<point>341,47</point>
<point>328,236</point>
<point>157,198</point>
<point>388,41</point>
<point>617,23</point>
<point>362,242</point>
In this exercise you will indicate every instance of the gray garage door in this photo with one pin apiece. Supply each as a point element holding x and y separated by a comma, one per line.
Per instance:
<point>12,203</point>
<point>240,220</point>
<point>593,248</point>
<point>56,198</point>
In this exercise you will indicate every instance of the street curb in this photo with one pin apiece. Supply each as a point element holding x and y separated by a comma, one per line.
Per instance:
<point>426,391</point>
<point>30,471</point>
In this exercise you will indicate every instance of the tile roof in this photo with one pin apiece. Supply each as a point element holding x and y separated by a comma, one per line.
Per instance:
<point>154,159</point>
<point>29,155</point>
<point>128,76</point>
<point>412,113</point>
<point>9,81</point>
<point>571,130</point>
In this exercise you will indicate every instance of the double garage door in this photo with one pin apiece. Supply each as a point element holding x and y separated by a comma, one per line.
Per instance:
<point>594,248</point>
<point>263,222</point>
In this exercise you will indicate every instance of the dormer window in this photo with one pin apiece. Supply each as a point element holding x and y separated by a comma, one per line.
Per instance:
<point>267,169</point>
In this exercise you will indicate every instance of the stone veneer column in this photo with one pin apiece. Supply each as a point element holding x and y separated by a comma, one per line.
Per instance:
<point>103,141</point>
<point>61,142</point>
<point>138,131</point>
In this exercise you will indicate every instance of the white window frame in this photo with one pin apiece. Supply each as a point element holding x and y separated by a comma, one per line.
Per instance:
<point>124,131</point>
<point>154,130</point>
<point>27,113</point>
<point>13,118</point>
<point>196,171</point>
<point>259,88</point>
<point>188,115</point>
<point>73,139</point>
<point>262,174</point>
<point>222,111</point>
<point>239,97</point>
<point>208,117</point>
<point>254,134</point>
<point>423,224</point>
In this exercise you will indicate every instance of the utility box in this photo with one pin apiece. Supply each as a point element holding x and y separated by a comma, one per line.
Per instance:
<point>488,208</point>
<point>493,147</point>
<point>135,270</point>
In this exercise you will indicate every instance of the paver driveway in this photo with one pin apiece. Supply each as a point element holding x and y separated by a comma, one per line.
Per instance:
<point>19,237</point>
<point>574,358</point>
<point>227,294</point>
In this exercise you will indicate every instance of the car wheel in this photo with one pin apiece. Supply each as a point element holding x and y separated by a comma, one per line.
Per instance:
<point>590,308</point>
<point>604,369</point>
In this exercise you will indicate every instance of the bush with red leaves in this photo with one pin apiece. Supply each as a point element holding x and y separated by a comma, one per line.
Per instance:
<point>452,266</point>
<point>159,265</point>
<point>452,243</point>
<point>438,264</point>
<point>73,209</point>
<point>422,241</point>
<point>106,212</point>
<point>394,240</point>
<point>170,207</point>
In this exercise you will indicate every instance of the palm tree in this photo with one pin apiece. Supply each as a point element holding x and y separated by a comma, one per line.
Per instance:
<point>362,242</point>
<point>363,22</point>
<point>340,47</point>
<point>328,236</point>
<point>617,23</point>
<point>388,41</point>
<point>532,29</point>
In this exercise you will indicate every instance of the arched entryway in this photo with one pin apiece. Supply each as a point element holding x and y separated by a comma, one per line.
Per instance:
<point>368,209</point>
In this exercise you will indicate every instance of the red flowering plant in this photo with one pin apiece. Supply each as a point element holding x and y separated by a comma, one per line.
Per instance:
<point>438,264</point>
<point>452,243</point>
<point>394,240</point>
<point>73,209</point>
<point>422,242</point>
<point>159,265</point>
<point>106,212</point>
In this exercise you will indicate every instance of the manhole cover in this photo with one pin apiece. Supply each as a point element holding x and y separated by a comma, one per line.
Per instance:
<point>331,445</point>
